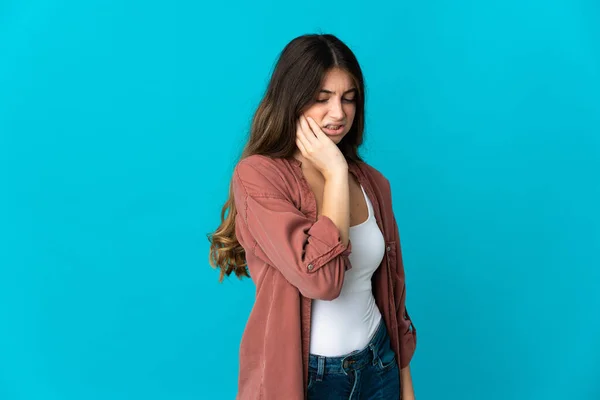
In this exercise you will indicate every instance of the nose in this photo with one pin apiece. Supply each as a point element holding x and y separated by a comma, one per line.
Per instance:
<point>336,111</point>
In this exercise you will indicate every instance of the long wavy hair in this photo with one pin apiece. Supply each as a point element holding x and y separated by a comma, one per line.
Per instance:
<point>294,86</point>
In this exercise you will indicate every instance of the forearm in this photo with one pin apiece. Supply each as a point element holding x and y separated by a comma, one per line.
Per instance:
<point>408,392</point>
<point>336,202</point>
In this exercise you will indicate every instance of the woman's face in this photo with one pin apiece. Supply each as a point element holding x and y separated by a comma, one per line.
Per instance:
<point>335,105</point>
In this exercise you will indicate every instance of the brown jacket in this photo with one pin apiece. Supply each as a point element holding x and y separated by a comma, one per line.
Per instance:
<point>295,256</point>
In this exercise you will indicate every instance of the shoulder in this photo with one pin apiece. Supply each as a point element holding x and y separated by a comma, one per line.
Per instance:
<point>259,174</point>
<point>256,163</point>
<point>374,175</point>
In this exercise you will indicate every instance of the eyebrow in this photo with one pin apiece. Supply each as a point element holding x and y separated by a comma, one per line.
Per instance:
<point>330,92</point>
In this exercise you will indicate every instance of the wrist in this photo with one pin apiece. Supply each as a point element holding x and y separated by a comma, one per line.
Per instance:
<point>339,173</point>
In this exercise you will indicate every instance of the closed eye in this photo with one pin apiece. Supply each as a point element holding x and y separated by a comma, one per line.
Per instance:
<point>344,100</point>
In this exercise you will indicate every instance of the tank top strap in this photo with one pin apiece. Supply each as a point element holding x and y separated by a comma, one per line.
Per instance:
<point>369,205</point>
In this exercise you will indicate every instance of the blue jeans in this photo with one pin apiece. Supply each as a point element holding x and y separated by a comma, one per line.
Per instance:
<point>370,373</point>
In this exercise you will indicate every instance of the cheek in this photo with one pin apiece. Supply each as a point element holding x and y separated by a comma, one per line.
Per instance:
<point>315,112</point>
<point>350,112</point>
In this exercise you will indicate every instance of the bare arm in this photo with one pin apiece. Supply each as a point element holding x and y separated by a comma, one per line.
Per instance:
<point>408,392</point>
<point>336,201</point>
<point>327,158</point>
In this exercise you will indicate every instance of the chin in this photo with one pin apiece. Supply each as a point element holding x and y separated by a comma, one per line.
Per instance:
<point>337,140</point>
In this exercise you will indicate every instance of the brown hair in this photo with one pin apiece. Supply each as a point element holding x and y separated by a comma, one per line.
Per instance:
<point>294,84</point>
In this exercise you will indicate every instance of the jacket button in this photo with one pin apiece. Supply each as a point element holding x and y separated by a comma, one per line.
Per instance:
<point>388,248</point>
<point>310,267</point>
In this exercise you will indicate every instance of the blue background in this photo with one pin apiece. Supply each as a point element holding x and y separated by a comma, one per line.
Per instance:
<point>120,123</point>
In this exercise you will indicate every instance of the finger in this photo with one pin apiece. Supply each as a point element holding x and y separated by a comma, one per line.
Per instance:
<point>310,135</point>
<point>301,147</point>
<point>302,137</point>
<point>316,129</point>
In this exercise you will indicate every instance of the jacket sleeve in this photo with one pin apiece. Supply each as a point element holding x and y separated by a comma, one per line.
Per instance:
<point>309,254</point>
<point>406,329</point>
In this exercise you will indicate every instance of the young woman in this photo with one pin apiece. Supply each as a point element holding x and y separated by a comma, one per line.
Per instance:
<point>313,225</point>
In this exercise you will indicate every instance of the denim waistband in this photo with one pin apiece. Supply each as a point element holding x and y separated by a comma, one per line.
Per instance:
<point>357,359</point>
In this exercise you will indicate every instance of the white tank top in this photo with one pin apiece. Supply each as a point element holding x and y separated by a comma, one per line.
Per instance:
<point>348,322</point>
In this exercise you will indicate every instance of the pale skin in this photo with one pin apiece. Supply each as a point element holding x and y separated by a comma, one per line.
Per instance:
<point>337,193</point>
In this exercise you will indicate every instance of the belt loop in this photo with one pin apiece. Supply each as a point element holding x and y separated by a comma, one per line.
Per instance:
<point>320,368</point>
<point>374,354</point>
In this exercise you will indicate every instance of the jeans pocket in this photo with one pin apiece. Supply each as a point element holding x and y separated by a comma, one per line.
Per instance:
<point>387,358</point>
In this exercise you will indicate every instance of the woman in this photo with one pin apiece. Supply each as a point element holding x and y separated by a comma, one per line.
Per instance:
<point>314,225</point>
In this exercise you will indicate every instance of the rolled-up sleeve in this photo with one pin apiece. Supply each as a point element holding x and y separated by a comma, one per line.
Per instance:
<point>308,253</point>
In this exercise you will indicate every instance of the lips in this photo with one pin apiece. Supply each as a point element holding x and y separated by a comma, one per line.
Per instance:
<point>332,129</point>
